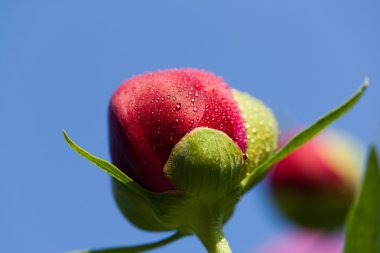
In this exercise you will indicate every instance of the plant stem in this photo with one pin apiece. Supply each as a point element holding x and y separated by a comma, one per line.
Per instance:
<point>209,230</point>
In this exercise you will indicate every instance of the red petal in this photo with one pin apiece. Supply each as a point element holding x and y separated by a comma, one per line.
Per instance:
<point>150,113</point>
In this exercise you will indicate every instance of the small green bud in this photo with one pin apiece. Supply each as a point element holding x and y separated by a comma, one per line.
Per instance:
<point>206,163</point>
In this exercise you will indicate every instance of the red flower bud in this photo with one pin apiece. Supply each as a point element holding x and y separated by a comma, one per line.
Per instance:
<point>315,185</point>
<point>150,113</point>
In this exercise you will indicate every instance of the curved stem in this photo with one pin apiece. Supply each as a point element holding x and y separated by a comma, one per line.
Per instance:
<point>209,230</point>
<point>137,248</point>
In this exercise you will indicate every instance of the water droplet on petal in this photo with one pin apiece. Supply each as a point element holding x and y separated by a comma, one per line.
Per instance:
<point>178,106</point>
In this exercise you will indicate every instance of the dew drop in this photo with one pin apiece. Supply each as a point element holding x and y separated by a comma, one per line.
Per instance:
<point>195,109</point>
<point>178,106</point>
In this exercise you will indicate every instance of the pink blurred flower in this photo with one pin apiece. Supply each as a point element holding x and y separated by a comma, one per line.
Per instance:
<point>315,185</point>
<point>304,241</point>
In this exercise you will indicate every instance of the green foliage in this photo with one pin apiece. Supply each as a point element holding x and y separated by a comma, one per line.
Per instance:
<point>206,157</point>
<point>363,223</point>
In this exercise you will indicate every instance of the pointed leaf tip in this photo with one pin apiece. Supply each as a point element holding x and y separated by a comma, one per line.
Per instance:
<point>111,169</point>
<point>366,81</point>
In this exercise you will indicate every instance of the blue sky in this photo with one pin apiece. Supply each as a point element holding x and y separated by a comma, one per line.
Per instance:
<point>60,61</point>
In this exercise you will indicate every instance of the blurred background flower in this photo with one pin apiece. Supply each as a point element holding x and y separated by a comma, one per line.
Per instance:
<point>314,188</point>
<point>303,241</point>
<point>315,185</point>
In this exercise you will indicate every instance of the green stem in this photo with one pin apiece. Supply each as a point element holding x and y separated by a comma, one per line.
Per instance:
<point>209,230</point>
<point>137,248</point>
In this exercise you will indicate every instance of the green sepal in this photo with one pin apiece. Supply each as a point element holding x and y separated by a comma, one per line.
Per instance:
<point>108,167</point>
<point>363,222</point>
<point>137,208</point>
<point>206,163</point>
<point>260,127</point>
<point>131,198</point>
<point>301,138</point>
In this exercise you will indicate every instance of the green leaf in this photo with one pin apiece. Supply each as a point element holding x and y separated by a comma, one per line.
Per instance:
<point>259,173</point>
<point>363,223</point>
<point>112,170</point>
<point>138,248</point>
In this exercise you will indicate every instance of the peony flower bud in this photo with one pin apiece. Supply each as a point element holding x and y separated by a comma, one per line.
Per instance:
<point>149,114</point>
<point>186,131</point>
<point>315,185</point>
